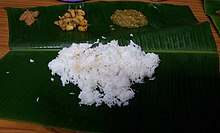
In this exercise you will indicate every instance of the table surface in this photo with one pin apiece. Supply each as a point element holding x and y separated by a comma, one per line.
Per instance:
<point>22,127</point>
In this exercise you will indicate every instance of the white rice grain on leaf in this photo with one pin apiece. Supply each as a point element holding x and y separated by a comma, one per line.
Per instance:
<point>104,73</point>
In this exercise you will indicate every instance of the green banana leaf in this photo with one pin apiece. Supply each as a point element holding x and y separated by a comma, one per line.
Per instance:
<point>211,6</point>
<point>183,93</point>
<point>44,33</point>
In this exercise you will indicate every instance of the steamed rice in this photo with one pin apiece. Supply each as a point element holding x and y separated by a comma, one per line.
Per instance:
<point>104,73</point>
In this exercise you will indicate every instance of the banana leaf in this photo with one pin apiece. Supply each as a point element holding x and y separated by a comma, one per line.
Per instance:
<point>211,6</point>
<point>184,92</point>
<point>44,33</point>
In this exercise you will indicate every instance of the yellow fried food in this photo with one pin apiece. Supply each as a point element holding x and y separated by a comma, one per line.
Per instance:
<point>84,22</point>
<point>74,18</point>
<point>82,28</point>
<point>80,12</point>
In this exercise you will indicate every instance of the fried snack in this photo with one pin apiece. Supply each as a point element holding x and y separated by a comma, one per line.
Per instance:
<point>74,18</point>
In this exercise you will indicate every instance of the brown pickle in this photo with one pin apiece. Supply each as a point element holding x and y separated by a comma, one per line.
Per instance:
<point>29,17</point>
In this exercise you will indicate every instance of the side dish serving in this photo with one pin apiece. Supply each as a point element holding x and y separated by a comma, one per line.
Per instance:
<point>29,17</point>
<point>74,18</point>
<point>129,18</point>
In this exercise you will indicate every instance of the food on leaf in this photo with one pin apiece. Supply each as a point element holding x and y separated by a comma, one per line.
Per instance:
<point>218,12</point>
<point>104,73</point>
<point>129,18</point>
<point>29,17</point>
<point>74,18</point>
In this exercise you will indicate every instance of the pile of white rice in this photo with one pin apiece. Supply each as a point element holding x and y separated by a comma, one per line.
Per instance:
<point>104,73</point>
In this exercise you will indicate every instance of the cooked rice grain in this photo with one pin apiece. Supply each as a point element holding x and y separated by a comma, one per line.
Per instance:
<point>104,73</point>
